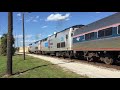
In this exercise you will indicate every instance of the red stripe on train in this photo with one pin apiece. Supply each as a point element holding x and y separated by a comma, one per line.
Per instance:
<point>113,49</point>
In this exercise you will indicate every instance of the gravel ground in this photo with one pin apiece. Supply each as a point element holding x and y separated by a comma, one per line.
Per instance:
<point>82,68</point>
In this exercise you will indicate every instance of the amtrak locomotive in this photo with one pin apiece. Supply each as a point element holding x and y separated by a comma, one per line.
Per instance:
<point>99,41</point>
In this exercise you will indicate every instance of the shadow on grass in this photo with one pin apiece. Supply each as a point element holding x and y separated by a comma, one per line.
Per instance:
<point>17,73</point>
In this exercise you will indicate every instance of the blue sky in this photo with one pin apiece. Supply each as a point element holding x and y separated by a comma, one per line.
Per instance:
<point>39,25</point>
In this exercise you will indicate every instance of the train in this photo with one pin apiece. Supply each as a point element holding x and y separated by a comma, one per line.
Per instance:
<point>97,41</point>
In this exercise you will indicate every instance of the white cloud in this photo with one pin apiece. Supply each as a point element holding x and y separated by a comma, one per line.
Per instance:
<point>21,36</point>
<point>31,17</point>
<point>57,17</point>
<point>34,20</point>
<point>19,14</point>
<point>56,12</point>
<point>38,35</point>
<point>67,19</point>
<point>28,36</point>
<point>41,19</point>
<point>49,35</point>
<point>0,36</point>
<point>37,16</point>
<point>55,32</point>
<point>20,19</point>
<point>28,41</point>
<point>28,20</point>
<point>18,36</point>
<point>97,12</point>
<point>44,27</point>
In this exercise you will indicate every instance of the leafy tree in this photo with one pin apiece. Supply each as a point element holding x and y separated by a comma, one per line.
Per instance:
<point>3,46</point>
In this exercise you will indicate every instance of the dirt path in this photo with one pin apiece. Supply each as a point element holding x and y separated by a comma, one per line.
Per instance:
<point>83,69</point>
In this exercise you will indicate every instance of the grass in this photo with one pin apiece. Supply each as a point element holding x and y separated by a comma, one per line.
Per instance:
<point>35,68</point>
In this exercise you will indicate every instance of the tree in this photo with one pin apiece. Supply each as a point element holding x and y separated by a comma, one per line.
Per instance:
<point>3,46</point>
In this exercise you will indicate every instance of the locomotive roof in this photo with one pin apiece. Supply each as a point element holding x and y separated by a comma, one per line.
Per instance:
<point>75,26</point>
<point>34,42</point>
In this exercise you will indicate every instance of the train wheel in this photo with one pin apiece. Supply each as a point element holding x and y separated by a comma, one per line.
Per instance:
<point>108,60</point>
<point>64,55</point>
<point>89,59</point>
<point>57,54</point>
<point>70,56</point>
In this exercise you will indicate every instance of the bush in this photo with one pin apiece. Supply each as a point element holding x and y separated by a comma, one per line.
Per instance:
<point>3,46</point>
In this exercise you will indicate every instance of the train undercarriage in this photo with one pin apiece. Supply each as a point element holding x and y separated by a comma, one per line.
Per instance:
<point>108,57</point>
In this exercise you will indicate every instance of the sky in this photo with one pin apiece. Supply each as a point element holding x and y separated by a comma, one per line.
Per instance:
<point>39,25</point>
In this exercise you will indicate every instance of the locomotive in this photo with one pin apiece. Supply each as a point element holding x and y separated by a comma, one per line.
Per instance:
<point>99,41</point>
<point>59,44</point>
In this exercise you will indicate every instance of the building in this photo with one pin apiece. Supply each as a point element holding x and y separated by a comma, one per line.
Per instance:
<point>21,49</point>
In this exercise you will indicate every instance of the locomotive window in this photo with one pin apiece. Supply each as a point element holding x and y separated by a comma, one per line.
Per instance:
<point>101,33</point>
<point>87,36</point>
<point>63,44</point>
<point>108,31</point>
<point>119,29</point>
<point>36,42</point>
<point>71,34</point>
<point>36,47</point>
<point>55,35</point>
<point>58,45</point>
<point>66,36</point>
<point>45,39</point>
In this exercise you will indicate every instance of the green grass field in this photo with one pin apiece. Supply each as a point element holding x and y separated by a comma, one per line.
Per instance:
<point>35,68</point>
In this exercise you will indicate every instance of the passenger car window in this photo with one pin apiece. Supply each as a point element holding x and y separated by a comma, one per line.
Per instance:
<point>108,31</point>
<point>87,36</point>
<point>105,32</point>
<point>119,29</point>
<point>101,33</point>
<point>92,35</point>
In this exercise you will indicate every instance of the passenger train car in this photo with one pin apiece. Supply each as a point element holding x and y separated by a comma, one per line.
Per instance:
<point>99,41</point>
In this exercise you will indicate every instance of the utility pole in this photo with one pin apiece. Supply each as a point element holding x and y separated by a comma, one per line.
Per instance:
<point>23,36</point>
<point>9,43</point>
